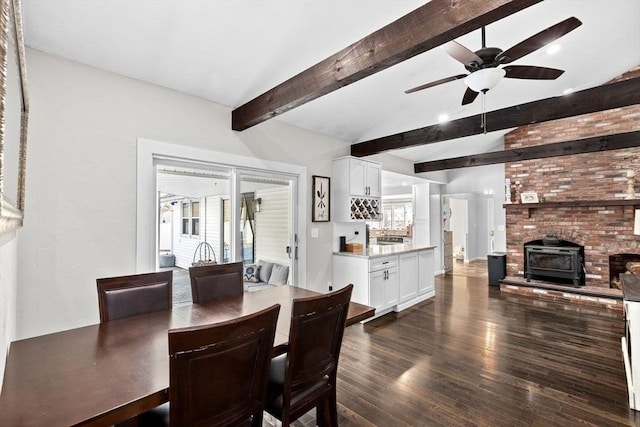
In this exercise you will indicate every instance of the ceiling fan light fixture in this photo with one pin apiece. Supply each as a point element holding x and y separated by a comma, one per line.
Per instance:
<point>485,79</point>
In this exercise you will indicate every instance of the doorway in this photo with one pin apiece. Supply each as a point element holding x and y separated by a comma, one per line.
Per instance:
<point>460,228</point>
<point>196,207</point>
<point>228,169</point>
<point>472,225</point>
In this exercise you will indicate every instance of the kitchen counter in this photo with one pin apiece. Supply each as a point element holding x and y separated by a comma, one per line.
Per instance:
<point>374,251</point>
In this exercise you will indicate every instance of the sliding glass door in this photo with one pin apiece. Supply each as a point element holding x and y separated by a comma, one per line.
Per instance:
<point>225,214</point>
<point>266,220</point>
<point>190,213</point>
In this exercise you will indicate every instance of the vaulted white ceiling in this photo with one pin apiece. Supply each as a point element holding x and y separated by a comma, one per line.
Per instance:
<point>232,51</point>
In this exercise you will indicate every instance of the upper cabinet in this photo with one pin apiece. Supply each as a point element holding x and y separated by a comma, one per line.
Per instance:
<point>364,177</point>
<point>356,189</point>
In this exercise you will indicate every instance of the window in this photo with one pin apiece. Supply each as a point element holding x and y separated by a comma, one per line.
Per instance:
<point>396,215</point>
<point>191,218</point>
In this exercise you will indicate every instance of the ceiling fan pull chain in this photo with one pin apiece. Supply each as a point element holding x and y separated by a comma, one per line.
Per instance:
<point>483,117</point>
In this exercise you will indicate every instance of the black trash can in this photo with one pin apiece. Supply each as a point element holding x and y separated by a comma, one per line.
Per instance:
<point>497,265</point>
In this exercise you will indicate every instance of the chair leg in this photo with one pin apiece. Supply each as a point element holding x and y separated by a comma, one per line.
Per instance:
<point>332,410</point>
<point>256,420</point>
<point>326,416</point>
<point>321,414</point>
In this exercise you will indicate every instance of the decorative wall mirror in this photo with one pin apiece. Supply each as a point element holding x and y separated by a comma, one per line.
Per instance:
<point>14,116</point>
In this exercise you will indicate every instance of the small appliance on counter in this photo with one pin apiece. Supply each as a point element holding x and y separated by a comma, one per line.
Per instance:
<point>343,243</point>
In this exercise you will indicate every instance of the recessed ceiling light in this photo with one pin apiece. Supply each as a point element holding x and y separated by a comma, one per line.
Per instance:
<point>443,118</point>
<point>567,91</point>
<point>405,184</point>
<point>553,49</point>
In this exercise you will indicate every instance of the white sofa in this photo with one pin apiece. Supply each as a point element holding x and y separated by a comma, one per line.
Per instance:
<point>264,275</point>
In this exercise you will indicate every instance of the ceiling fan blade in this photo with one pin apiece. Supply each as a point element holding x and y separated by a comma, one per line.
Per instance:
<point>435,83</point>
<point>469,96</point>
<point>539,40</point>
<point>529,72</point>
<point>461,53</point>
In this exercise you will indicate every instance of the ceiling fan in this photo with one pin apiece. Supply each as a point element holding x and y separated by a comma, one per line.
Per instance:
<point>483,64</point>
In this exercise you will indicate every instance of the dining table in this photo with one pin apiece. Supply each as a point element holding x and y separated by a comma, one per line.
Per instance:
<point>106,373</point>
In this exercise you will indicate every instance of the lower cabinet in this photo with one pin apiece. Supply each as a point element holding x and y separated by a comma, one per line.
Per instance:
<point>383,286</point>
<point>425,273</point>
<point>387,283</point>
<point>408,285</point>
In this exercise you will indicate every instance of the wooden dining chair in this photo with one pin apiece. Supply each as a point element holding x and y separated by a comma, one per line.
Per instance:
<point>215,281</point>
<point>218,373</point>
<point>126,296</point>
<point>305,377</point>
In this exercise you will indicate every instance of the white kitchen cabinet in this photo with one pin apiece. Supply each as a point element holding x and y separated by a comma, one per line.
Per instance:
<point>426,273</point>
<point>376,291</point>
<point>388,282</point>
<point>383,280</point>
<point>356,189</point>
<point>408,283</point>
<point>631,339</point>
<point>383,288</point>
<point>364,177</point>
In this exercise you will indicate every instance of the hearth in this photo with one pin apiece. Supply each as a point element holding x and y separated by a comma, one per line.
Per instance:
<point>559,261</point>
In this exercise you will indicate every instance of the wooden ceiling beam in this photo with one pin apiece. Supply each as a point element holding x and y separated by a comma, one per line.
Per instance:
<point>429,26</point>
<point>600,98</point>
<point>586,145</point>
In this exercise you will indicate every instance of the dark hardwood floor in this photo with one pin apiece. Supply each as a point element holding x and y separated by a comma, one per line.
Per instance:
<point>472,356</point>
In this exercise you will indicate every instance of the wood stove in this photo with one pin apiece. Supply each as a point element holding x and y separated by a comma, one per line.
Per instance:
<point>561,261</point>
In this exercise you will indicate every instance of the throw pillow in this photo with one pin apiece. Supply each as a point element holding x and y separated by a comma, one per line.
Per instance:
<point>265,270</point>
<point>251,273</point>
<point>279,275</point>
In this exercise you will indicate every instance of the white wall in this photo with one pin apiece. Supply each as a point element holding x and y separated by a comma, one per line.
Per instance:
<point>8,283</point>
<point>483,180</point>
<point>80,219</point>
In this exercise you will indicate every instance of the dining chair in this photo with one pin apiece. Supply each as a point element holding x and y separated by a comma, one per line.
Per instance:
<point>218,373</point>
<point>215,281</point>
<point>126,296</point>
<point>305,376</point>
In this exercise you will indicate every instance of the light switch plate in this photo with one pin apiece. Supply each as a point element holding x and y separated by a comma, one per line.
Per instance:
<point>314,233</point>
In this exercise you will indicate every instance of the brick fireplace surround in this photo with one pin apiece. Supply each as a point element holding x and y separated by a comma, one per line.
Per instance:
<point>603,230</point>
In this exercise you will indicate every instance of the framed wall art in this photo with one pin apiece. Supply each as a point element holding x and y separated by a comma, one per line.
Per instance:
<point>14,113</point>
<point>321,196</point>
<point>529,197</point>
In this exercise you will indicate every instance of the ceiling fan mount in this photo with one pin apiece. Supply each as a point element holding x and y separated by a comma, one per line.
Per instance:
<point>488,56</point>
<point>493,57</point>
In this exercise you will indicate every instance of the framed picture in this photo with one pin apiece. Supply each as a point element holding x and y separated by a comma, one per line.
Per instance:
<point>321,199</point>
<point>14,114</point>
<point>529,197</point>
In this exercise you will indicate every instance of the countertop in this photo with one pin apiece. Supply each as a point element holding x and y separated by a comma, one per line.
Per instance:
<point>374,251</point>
<point>630,287</point>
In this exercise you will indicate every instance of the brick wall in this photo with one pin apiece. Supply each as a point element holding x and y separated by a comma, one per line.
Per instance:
<point>603,230</point>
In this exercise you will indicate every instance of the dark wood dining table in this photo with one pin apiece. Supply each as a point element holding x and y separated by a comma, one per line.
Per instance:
<point>106,373</point>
